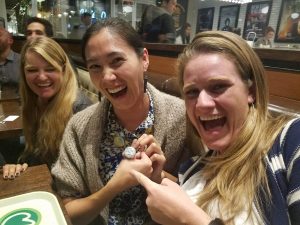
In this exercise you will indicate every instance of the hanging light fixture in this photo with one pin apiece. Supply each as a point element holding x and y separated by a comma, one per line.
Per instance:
<point>237,1</point>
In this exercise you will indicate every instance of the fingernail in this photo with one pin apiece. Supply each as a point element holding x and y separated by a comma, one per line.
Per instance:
<point>11,177</point>
<point>5,177</point>
<point>17,174</point>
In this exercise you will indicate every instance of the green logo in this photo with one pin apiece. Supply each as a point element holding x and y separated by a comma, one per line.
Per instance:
<point>24,216</point>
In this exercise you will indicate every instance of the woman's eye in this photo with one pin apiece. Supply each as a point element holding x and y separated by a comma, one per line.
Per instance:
<point>194,93</point>
<point>94,68</point>
<point>117,61</point>
<point>218,88</point>
<point>31,70</point>
<point>50,70</point>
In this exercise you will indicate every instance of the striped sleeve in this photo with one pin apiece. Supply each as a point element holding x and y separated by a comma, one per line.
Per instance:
<point>291,146</point>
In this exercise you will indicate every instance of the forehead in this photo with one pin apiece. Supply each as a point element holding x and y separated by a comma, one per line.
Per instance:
<point>36,26</point>
<point>106,44</point>
<point>208,65</point>
<point>106,38</point>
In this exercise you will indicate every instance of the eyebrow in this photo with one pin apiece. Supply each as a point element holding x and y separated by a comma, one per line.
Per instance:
<point>110,55</point>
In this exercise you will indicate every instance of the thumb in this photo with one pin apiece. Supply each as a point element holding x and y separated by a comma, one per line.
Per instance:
<point>143,180</point>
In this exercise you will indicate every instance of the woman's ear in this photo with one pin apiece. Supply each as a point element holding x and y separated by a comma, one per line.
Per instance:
<point>145,59</point>
<point>251,95</point>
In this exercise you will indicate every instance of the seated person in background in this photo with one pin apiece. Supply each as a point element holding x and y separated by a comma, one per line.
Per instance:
<point>49,97</point>
<point>79,30</point>
<point>9,60</point>
<point>250,174</point>
<point>157,23</point>
<point>186,33</point>
<point>36,27</point>
<point>90,174</point>
<point>267,40</point>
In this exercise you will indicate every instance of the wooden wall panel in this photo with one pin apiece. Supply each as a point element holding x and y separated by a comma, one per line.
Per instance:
<point>162,65</point>
<point>284,83</point>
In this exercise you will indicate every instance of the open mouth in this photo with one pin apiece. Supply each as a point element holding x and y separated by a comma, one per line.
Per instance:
<point>214,122</point>
<point>44,85</point>
<point>117,92</point>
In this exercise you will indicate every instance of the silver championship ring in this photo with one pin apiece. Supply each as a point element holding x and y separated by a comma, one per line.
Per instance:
<point>129,152</point>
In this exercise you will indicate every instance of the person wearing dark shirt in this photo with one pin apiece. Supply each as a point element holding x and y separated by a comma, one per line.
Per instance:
<point>9,60</point>
<point>158,24</point>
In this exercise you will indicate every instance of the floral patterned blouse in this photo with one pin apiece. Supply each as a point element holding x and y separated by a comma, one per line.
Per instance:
<point>127,208</point>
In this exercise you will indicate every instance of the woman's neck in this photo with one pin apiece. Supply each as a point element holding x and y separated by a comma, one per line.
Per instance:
<point>130,119</point>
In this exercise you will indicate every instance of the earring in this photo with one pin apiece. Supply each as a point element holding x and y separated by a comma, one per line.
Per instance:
<point>145,83</point>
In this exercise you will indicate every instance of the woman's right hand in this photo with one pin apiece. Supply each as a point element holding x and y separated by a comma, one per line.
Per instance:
<point>123,176</point>
<point>11,171</point>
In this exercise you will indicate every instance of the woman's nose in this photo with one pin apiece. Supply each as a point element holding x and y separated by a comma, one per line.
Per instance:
<point>205,100</point>
<point>108,75</point>
<point>42,75</point>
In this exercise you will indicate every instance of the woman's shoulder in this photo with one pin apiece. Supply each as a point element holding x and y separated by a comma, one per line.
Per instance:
<point>288,142</point>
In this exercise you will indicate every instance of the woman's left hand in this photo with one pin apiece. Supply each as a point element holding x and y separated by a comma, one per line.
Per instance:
<point>10,171</point>
<point>148,144</point>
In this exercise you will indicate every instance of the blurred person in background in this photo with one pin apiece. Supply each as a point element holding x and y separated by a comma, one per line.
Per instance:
<point>9,60</point>
<point>36,27</point>
<point>157,23</point>
<point>267,40</point>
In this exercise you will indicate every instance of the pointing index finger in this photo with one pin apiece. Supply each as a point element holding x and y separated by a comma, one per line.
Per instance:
<point>143,180</point>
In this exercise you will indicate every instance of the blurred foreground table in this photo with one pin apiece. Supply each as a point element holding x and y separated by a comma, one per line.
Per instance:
<point>35,178</point>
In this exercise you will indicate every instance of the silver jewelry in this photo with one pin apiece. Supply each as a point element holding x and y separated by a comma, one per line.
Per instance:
<point>129,152</point>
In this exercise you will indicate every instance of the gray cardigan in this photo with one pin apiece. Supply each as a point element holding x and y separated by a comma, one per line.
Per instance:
<point>76,170</point>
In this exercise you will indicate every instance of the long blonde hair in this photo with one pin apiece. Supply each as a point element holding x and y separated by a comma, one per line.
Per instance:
<point>236,176</point>
<point>43,130</point>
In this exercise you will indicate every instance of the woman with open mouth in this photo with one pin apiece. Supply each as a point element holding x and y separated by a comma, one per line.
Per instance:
<point>250,173</point>
<point>91,175</point>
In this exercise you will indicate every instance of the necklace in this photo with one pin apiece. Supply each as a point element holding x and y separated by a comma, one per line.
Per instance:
<point>120,139</point>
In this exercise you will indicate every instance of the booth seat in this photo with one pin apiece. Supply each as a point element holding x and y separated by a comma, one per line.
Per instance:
<point>165,83</point>
<point>86,85</point>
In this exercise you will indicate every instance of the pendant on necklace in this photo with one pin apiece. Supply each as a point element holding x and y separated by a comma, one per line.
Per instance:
<point>119,141</point>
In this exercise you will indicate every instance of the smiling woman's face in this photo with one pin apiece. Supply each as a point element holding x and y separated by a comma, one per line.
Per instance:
<point>42,78</point>
<point>116,70</point>
<point>216,98</point>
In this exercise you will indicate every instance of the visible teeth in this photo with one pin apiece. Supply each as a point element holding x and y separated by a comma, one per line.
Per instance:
<point>214,117</point>
<point>115,90</point>
<point>44,85</point>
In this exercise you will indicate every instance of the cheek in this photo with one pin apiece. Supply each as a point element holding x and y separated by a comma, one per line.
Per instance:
<point>29,80</point>
<point>190,109</point>
<point>94,78</point>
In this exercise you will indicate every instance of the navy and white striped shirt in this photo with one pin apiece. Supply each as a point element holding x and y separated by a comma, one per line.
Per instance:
<point>283,172</point>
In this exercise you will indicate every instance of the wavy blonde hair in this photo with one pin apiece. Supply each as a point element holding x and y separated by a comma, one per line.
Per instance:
<point>43,131</point>
<point>236,176</point>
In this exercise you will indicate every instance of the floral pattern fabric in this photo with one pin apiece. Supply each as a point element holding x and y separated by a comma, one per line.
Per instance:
<point>127,208</point>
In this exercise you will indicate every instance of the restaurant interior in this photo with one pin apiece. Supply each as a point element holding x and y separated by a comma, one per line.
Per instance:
<point>248,18</point>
